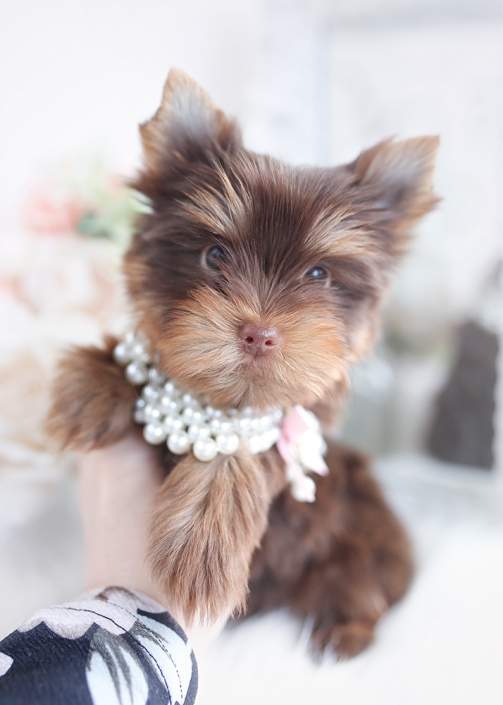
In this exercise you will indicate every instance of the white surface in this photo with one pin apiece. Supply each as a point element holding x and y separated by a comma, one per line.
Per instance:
<point>443,644</point>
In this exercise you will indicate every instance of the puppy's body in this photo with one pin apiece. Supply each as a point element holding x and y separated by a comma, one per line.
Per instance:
<point>259,284</point>
<point>339,562</point>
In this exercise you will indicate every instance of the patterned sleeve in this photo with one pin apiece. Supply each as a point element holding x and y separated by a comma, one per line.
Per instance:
<point>110,646</point>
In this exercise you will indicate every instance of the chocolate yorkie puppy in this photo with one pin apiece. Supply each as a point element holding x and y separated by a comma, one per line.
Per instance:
<point>257,284</point>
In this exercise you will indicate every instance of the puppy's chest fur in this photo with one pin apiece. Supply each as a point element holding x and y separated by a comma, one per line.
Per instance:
<point>259,284</point>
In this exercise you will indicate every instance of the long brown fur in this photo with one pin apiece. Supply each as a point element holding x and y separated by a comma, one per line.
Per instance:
<point>345,558</point>
<point>339,562</point>
<point>208,521</point>
<point>92,401</point>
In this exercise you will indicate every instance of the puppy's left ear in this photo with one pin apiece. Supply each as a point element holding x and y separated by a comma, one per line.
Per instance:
<point>187,127</point>
<point>397,178</point>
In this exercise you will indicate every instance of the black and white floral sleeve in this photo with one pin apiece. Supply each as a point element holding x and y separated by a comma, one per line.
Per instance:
<point>109,647</point>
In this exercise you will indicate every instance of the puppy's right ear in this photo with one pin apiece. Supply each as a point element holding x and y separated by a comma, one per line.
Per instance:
<point>186,128</point>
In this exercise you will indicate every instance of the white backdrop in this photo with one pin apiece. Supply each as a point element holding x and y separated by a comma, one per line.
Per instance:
<point>312,81</point>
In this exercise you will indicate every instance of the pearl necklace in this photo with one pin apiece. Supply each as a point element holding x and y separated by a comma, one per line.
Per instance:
<point>185,422</point>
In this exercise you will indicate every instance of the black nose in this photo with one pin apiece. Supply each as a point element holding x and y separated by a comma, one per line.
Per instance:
<point>259,340</point>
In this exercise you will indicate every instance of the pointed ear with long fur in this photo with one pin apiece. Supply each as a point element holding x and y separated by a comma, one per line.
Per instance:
<point>391,185</point>
<point>187,127</point>
<point>397,177</point>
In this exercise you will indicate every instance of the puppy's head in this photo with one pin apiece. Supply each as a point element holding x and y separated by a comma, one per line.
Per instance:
<point>260,283</point>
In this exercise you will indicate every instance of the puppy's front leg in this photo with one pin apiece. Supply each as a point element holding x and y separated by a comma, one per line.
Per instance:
<point>92,402</point>
<point>208,520</point>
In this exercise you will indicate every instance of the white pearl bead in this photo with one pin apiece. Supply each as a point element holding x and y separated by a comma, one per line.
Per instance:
<point>164,403</point>
<point>209,411</point>
<point>136,373</point>
<point>271,437</point>
<point>168,423</point>
<point>178,423</point>
<point>170,406</point>
<point>215,425</point>
<point>138,416</point>
<point>171,390</point>
<point>193,431</point>
<point>244,424</point>
<point>178,442</point>
<point>265,422</point>
<point>187,399</point>
<point>227,443</point>
<point>226,425</point>
<point>264,442</point>
<point>122,354</point>
<point>247,411</point>
<point>149,393</point>
<point>138,351</point>
<point>139,411</point>
<point>152,413</point>
<point>154,433</point>
<point>198,431</point>
<point>188,414</point>
<point>156,378</point>
<point>205,449</point>
<point>255,444</point>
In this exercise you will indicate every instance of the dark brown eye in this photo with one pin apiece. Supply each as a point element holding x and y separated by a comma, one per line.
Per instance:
<point>317,274</point>
<point>214,256</point>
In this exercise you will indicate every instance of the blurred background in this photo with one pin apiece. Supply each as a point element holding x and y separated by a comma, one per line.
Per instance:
<point>312,81</point>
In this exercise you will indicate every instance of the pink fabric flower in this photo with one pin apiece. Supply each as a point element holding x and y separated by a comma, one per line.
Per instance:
<point>301,446</point>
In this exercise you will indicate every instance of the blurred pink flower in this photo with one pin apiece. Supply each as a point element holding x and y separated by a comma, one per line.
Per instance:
<point>54,291</point>
<point>44,212</point>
